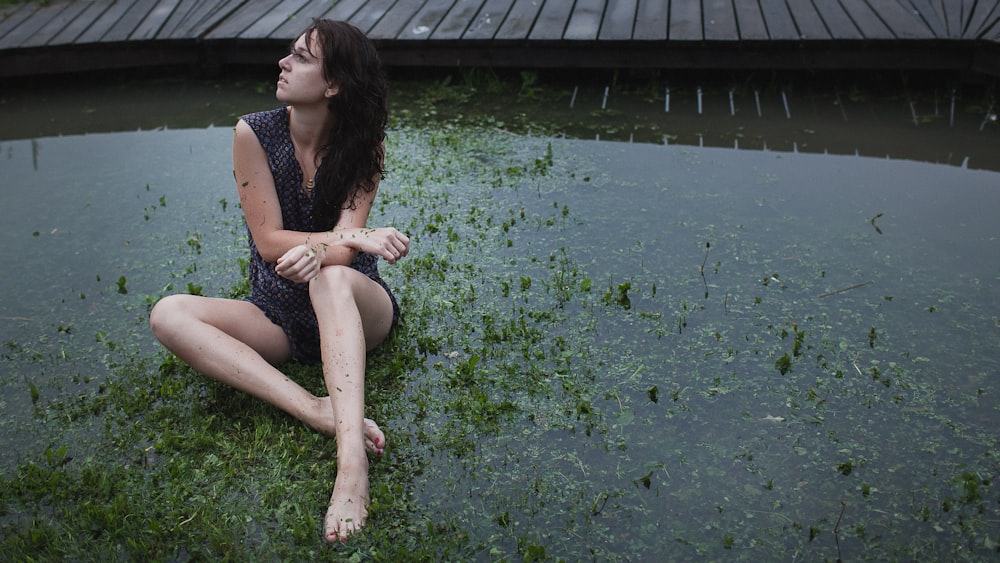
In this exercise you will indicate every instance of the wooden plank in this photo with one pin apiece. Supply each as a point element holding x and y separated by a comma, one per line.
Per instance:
<point>99,28</point>
<point>903,23</point>
<point>990,30</point>
<point>48,32</point>
<point>370,14</point>
<point>296,23</point>
<point>837,22</point>
<point>750,21</point>
<point>651,20</point>
<point>458,19</point>
<point>80,23</point>
<point>241,19</point>
<point>619,20</point>
<point>272,19</point>
<point>983,14</point>
<point>284,12</point>
<point>427,19</point>
<point>719,20</point>
<point>685,21</point>
<point>344,10</point>
<point>12,16</point>
<point>30,26</point>
<point>519,20</point>
<point>929,14</point>
<point>218,15</point>
<point>395,19</point>
<point>993,34</point>
<point>154,21</point>
<point>130,20</point>
<point>779,22</point>
<point>182,11</point>
<point>953,11</point>
<point>866,20</point>
<point>489,19</point>
<point>585,21</point>
<point>551,21</point>
<point>808,21</point>
<point>208,15</point>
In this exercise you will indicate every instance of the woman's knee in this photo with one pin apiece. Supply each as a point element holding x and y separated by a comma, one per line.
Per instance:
<point>168,314</point>
<point>338,288</point>
<point>334,284</point>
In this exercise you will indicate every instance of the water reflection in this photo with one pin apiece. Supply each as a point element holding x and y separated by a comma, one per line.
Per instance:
<point>932,120</point>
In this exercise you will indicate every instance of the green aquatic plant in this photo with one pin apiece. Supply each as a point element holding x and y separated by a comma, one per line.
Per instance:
<point>617,295</point>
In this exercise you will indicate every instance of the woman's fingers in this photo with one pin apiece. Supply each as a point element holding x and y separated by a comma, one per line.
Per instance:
<point>397,245</point>
<point>299,264</point>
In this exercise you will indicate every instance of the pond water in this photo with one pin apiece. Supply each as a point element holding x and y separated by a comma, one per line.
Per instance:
<point>640,350</point>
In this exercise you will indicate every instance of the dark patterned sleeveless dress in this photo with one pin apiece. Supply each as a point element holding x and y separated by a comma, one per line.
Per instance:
<point>286,303</point>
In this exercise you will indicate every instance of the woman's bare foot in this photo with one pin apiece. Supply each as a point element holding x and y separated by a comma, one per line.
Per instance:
<point>348,508</point>
<point>374,437</point>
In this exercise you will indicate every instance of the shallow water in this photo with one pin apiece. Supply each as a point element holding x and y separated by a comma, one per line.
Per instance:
<point>668,284</point>
<point>96,226</point>
<point>884,273</point>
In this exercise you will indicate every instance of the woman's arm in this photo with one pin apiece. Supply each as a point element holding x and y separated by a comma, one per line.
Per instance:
<point>351,232</point>
<point>299,255</point>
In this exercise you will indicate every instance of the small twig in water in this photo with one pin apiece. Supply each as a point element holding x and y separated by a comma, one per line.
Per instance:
<point>708,246</point>
<point>843,507</point>
<point>579,462</point>
<point>845,290</point>
<point>854,362</point>
<point>872,221</point>
<point>594,510</point>
<point>836,528</point>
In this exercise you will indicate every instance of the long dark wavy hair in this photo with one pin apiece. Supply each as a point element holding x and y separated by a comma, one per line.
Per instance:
<point>354,151</point>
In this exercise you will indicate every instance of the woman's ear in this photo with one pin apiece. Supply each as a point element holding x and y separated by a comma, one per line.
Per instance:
<point>332,90</point>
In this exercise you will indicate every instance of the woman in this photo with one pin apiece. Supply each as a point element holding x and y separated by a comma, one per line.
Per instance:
<point>307,175</point>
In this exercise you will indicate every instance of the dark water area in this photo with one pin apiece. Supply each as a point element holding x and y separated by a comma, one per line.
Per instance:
<point>749,317</point>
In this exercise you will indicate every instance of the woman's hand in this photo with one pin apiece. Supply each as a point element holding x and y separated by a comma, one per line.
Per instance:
<point>300,264</point>
<point>386,242</point>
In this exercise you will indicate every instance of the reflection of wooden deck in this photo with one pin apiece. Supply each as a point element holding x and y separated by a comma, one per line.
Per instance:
<point>87,35</point>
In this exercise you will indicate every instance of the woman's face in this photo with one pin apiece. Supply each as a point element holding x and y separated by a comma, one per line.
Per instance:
<point>301,79</point>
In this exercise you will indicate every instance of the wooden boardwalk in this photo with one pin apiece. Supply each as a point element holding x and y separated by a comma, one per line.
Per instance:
<point>89,35</point>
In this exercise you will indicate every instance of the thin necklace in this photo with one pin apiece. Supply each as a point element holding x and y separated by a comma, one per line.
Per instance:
<point>309,182</point>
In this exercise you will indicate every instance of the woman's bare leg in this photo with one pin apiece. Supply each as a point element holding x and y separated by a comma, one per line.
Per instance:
<point>235,343</point>
<point>355,315</point>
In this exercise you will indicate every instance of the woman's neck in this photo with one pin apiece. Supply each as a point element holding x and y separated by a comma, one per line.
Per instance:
<point>309,127</point>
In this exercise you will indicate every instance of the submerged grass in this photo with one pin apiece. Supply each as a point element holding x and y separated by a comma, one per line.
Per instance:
<point>545,398</point>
